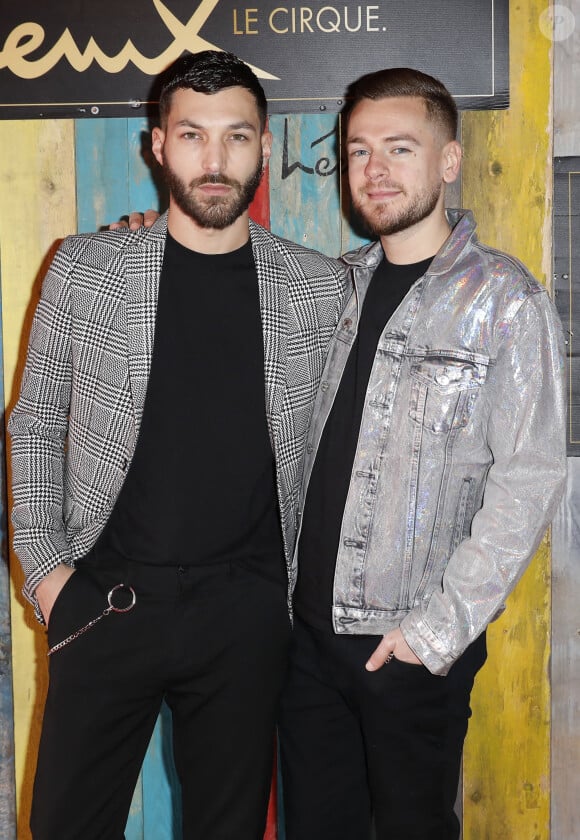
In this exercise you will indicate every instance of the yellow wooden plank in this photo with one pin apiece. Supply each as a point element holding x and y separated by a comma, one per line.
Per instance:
<point>37,208</point>
<point>507,182</point>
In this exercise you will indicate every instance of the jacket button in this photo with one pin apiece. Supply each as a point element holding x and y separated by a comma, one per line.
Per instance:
<point>309,448</point>
<point>347,323</point>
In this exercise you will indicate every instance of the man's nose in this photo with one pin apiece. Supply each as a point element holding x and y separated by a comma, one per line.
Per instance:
<point>213,157</point>
<point>376,166</point>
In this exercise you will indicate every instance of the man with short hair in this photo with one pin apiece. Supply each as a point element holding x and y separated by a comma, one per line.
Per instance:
<point>157,448</point>
<point>434,464</point>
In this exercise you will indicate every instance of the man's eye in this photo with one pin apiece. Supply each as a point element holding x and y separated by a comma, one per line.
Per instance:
<point>239,137</point>
<point>400,150</point>
<point>190,135</point>
<point>358,153</point>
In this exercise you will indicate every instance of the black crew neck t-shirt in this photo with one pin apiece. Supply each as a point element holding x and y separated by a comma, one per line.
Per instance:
<point>330,479</point>
<point>201,487</point>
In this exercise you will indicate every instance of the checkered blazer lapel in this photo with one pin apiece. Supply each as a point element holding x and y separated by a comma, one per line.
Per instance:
<point>142,271</point>
<point>273,294</point>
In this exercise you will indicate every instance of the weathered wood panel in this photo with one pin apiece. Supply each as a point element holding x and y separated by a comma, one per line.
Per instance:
<point>37,209</point>
<point>114,169</point>
<point>7,780</point>
<point>507,182</point>
<point>304,172</point>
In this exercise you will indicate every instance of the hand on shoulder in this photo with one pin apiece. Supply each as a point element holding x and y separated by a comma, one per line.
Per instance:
<point>135,220</point>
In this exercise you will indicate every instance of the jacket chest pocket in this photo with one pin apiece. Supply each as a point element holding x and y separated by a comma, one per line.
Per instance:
<point>444,392</point>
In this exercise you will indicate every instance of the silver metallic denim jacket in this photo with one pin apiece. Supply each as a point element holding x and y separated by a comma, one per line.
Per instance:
<point>461,454</point>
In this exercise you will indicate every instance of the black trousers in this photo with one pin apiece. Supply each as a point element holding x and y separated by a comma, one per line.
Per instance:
<point>361,748</point>
<point>213,643</point>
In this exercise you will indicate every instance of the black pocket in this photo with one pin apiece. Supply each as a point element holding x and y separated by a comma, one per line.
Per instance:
<point>79,601</point>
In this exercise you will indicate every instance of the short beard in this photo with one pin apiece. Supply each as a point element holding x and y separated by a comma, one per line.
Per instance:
<point>380,223</point>
<point>217,212</point>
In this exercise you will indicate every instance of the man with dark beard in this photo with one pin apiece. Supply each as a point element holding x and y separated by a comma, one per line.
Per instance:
<point>157,448</point>
<point>434,463</point>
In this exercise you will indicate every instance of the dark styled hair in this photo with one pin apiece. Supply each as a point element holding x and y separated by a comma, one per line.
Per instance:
<point>404,81</point>
<point>209,72</point>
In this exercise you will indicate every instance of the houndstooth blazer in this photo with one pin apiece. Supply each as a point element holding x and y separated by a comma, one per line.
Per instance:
<point>75,425</point>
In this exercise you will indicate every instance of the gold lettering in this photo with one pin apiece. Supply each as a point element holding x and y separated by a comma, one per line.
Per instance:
<point>305,18</point>
<point>329,27</point>
<point>27,37</point>
<point>271,21</point>
<point>249,21</point>
<point>236,30</point>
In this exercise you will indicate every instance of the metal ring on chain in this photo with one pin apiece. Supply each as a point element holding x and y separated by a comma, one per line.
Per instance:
<point>116,589</point>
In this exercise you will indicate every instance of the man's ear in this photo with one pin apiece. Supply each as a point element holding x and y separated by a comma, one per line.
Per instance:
<point>451,161</point>
<point>157,140</point>
<point>266,141</point>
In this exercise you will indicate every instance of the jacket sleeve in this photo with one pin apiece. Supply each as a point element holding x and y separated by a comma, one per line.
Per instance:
<point>38,427</point>
<point>526,436</point>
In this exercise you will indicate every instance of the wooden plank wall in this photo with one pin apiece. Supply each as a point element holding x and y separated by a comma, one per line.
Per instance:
<point>62,176</point>
<point>7,791</point>
<point>507,182</point>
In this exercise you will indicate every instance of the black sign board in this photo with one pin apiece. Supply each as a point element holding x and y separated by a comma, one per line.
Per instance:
<point>76,58</point>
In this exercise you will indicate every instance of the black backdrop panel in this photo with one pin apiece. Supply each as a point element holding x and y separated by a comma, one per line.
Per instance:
<point>75,58</point>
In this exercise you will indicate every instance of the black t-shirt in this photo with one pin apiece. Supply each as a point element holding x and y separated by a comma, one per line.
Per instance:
<point>330,479</point>
<point>201,487</point>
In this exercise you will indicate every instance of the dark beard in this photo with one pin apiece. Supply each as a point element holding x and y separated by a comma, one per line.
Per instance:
<point>217,212</point>
<point>422,207</point>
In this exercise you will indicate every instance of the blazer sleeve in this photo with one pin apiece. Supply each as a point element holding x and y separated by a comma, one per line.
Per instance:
<point>38,428</point>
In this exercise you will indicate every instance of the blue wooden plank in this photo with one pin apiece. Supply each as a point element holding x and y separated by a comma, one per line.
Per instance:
<point>7,781</point>
<point>146,186</point>
<point>304,181</point>
<point>161,789</point>
<point>101,172</point>
<point>135,829</point>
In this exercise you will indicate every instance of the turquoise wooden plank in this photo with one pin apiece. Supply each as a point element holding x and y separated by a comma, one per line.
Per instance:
<point>135,829</point>
<point>101,172</point>
<point>7,781</point>
<point>146,185</point>
<point>161,789</point>
<point>304,181</point>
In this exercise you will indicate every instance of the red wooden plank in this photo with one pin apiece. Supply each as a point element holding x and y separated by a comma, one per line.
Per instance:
<point>272,819</point>
<point>260,206</point>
